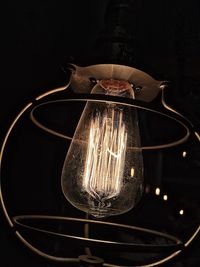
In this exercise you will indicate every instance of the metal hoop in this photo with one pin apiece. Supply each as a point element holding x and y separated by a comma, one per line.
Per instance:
<point>119,100</point>
<point>89,241</point>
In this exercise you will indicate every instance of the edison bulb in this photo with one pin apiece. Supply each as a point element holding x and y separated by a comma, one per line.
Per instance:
<point>103,169</point>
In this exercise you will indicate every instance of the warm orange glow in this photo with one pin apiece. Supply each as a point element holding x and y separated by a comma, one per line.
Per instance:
<point>181,212</point>
<point>184,154</point>
<point>165,197</point>
<point>132,172</point>
<point>157,191</point>
<point>103,170</point>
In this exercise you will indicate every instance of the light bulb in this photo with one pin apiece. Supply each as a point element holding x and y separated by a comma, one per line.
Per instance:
<point>103,170</point>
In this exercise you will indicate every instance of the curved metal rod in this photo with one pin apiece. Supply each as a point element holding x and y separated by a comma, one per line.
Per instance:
<point>10,129</point>
<point>180,247</point>
<point>43,254</point>
<point>55,90</point>
<point>178,244</point>
<point>1,157</point>
<point>168,107</point>
<point>132,103</point>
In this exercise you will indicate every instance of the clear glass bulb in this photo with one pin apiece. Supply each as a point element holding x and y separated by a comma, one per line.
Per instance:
<point>103,170</point>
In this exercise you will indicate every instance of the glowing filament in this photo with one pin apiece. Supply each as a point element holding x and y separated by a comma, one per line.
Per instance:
<point>105,156</point>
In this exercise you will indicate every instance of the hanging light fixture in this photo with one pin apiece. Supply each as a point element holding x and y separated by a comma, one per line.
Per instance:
<point>103,170</point>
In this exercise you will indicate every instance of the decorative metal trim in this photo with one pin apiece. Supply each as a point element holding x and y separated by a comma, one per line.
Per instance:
<point>81,79</point>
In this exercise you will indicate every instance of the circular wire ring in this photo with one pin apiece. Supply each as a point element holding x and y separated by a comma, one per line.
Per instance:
<point>177,244</point>
<point>118,100</point>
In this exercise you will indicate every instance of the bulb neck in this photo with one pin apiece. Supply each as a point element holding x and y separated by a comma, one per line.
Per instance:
<point>114,87</point>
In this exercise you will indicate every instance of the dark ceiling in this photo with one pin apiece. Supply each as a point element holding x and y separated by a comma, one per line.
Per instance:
<point>38,39</point>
